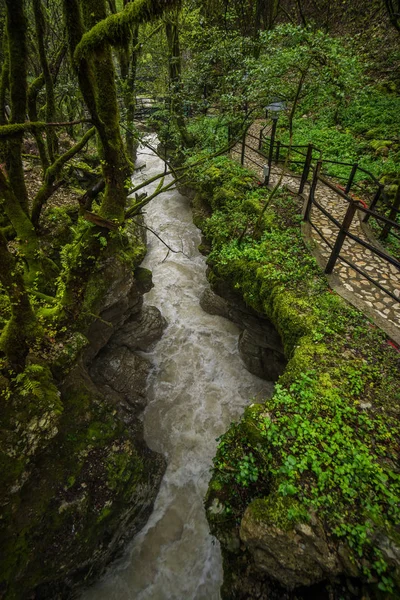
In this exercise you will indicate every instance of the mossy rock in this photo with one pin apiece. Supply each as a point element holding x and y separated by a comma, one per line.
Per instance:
<point>329,408</point>
<point>85,491</point>
<point>381,147</point>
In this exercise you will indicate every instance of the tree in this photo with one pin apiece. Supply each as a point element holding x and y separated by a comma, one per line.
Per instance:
<point>92,33</point>
<point>393,9</point>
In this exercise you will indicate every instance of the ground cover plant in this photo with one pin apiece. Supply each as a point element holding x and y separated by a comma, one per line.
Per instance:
<point>327,441</point>
<point>71,72</point>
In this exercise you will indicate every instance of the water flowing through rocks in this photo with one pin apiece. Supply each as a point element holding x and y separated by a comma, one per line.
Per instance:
<point>198,385</point>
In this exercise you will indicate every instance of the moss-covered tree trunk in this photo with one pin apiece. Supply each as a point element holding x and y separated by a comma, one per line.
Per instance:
<point>116,169</point>
<point>97,82</point>
<point>40,25</point>
<point>13,191</point>
<point>128,65</point>
<point>17,51</point>
<point>22,329</point>
<point>4,82</point>
<point>175,83</point>
<point>33,92</point>
<point>39,270</point>
<point>50,183</point>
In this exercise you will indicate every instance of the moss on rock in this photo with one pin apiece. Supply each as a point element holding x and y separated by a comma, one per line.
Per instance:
<point>325,443</point>
<point>92,477</point>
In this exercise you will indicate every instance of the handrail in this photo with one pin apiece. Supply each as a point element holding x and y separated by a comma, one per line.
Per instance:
<point>377,189</point>
<point>337,162</point>
<point>344,232</point>
<point>353,204</point>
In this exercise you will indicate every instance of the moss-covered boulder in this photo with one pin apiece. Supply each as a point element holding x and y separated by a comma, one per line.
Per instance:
<point>83,493</point>
<point>76,478</point>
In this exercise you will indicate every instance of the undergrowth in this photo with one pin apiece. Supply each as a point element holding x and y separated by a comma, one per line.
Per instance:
<point>327,441</point>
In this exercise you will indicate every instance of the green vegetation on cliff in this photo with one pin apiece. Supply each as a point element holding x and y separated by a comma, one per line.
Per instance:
<point>327,441</point>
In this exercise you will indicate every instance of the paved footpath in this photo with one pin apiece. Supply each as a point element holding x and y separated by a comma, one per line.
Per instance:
<point>381,308</point>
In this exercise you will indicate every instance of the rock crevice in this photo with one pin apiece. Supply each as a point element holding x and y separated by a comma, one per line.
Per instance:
<point>260,346</point>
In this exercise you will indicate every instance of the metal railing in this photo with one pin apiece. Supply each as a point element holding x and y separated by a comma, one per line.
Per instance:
<point>369,188</point>
<point>372,191</point>
<point>344,230</point>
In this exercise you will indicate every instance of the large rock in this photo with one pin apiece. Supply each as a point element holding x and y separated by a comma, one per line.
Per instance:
<point>92,490</point>
<point>293,556</point>
<point>118,370</point>
<point>123,298</point>
<point>140,332</point>
<point>260,346</point>
<point>215,305</point>
<point>260,359</point>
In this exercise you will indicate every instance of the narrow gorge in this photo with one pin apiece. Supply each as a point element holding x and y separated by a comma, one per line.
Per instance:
<point>197,386</point>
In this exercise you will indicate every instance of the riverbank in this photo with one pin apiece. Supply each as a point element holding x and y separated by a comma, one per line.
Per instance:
<point>197,386</point>
<point>305,487</point>
<point>77,478</point>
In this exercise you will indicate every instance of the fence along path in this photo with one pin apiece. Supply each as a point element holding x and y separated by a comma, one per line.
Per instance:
<point>370,281</point>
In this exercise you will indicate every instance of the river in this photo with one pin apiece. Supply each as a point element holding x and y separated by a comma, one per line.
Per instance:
<point>197,386</point>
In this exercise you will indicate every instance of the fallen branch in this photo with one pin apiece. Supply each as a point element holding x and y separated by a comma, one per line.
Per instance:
<point>162,241</point>
<point>100,221</point>
<point>134,210</point>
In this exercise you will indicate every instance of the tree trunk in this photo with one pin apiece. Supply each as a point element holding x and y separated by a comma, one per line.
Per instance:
<point>175,69</point>
<point>33,93</point>
<point>97,83</point>
<point>22,329</point>
<point>4,82</point>
<point>51,136</point>
<point>130,94</point>
<point>17,48</point>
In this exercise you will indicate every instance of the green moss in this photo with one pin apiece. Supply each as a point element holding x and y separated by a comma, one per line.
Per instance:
<point>144,277</point>
<point>312,447</point>
<point>89,473</point>
<point>277,511</point>
<point>123,467</point>
<point>116,28</point>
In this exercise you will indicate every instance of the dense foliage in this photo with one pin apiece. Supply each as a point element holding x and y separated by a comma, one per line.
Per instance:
<point>327,440</point>
<point>73,75</point>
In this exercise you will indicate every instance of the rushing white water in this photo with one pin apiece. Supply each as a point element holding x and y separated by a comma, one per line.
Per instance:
<point>198,385</point>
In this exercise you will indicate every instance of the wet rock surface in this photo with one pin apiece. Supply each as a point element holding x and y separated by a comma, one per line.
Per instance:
<point>260,346</point>
<point>296,557</point>
<point>90,484</point>
<point>141,331</point>
<point>259,358</point>
<point>118,371</point>
<point>123,300</point>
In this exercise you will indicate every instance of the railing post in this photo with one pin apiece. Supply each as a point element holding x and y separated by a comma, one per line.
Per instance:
<point>306,169</point>
<point>243,148</point>
<point>271,149</point>
<point>351,178</point>
<point>260,140</point>
<point>392,216</point>
<point>374,202</point>
<point>348,218</point>
<point>278,151</point>
<point>313,187</point>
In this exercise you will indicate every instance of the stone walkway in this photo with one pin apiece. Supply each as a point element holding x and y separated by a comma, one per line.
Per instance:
<point>356,288</point>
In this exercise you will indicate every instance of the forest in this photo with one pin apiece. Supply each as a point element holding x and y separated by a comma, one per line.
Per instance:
<point>240,101</point>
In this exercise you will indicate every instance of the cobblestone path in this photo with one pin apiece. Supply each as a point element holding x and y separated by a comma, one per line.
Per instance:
<point>384,310</point>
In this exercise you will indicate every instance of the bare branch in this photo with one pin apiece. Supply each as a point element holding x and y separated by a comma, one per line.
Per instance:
<point>162,241</point>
